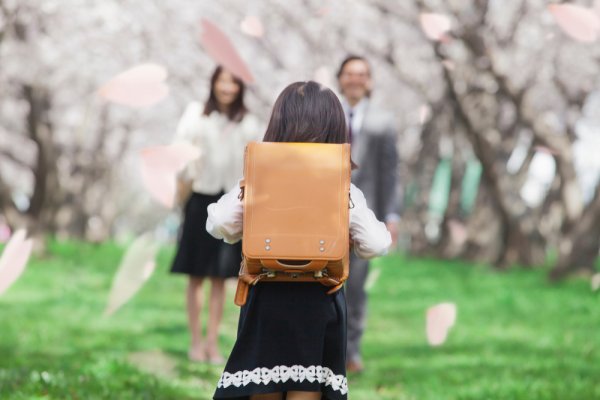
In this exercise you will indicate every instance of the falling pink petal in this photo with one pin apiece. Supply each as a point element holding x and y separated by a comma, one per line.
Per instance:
<point>458,231</point>
<point>220,48</point>
<point>14,259</point>
<point>4,232</point>
<point>372,278</point>
<point>252,26</point>
<point>324,76</point>
<point>138,87</point>
<point>323,11</point>
<point>546,149</point>
<point>148,269</point>
<point>161,186</point>
<point>440,318</point>
<point>424,113</point>
<point>159,168</point>
<point>435,26</point>
<point>135,269</point>
<point>595,282</point>
<point>578,22</point>
<point>449,65</point>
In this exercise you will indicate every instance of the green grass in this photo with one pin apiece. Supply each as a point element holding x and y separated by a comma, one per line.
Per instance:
<point>516,336</point>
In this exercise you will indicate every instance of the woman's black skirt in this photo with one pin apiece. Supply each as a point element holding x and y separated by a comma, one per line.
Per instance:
<point>198,253</point>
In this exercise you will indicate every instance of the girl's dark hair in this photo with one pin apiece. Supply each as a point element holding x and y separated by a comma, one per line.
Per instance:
<point>307,112</point>
<point>237,109</point>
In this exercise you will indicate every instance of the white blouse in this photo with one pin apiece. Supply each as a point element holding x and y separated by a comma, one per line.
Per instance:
<point>371,237</point>
<point>221,143</point>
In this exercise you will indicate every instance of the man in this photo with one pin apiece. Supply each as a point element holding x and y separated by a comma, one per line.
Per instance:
<point>373,139</point>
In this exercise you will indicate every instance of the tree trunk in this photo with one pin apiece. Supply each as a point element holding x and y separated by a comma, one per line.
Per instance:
<point>578,249</point>
<point>44,200</point>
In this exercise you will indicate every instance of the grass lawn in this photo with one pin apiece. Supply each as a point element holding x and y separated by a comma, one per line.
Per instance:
<point>516,336</point>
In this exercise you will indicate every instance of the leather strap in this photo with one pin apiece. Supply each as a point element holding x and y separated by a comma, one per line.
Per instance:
<point>245,279</point>
<point>314,265</point>
<point>241,293</point>
<point>242,189</point>
<point>335,288</point>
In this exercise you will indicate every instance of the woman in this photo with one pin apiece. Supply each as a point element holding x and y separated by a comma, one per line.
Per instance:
<point>286,345</point>
<point>220,129</point>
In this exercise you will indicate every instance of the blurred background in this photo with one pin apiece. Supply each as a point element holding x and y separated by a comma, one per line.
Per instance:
<point>498,121</point>
<point>497,105</point>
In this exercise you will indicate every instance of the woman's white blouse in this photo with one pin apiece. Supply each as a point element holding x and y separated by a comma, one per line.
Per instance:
<point>221,143</point>
<point>371,237</point>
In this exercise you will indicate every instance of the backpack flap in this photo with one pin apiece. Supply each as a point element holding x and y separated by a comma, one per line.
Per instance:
<point>296,199</point>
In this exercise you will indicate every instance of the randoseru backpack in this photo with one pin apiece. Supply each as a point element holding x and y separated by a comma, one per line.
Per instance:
<point>296,214</point>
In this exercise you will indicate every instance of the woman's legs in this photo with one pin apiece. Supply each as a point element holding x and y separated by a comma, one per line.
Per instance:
<point>194,309</point>
<point>304,396</point>
<point>215,309</point>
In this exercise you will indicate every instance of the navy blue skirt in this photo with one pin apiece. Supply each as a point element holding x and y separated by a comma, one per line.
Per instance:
<point>291,337</point>
<point>198,253</point>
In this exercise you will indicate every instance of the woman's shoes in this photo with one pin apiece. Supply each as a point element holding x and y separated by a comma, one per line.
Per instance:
<point>197,354</point>
<point>214,357</point>
<point>203,354</point>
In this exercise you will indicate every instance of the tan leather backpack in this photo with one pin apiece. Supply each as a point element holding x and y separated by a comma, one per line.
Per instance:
<point>296,199</point>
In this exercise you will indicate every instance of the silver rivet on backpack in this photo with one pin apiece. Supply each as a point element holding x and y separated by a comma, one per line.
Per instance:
<point>321,242</point>
<point>267,240</point>
<point>267,247</point>
<point>322,248</point>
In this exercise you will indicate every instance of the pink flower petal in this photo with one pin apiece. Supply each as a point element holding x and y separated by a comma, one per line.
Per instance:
<point>449,65</point>
<point>134,270</point>
<point>4,232</point>
<point>458,231</point>
<point>160,185</point>
<point>323,11</point>
<point>14,259</point>
<point>138,87</point>
<point>324,76</point>
<point>546,150</point>
<point>159,167</point>
<point>252,26</point>
<point>435,26</point>
<point>578,22</point>
<point>148,270</point>
<point>440,318</point>
<point>220,48</point>
<point>424,113</point>
<point>595,282</point>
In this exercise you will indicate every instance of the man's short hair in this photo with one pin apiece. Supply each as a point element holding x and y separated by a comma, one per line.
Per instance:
<point>353,57</point>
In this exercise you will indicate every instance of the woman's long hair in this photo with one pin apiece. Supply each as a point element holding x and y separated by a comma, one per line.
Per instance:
<point>237,109</point>
<point>307,112</point>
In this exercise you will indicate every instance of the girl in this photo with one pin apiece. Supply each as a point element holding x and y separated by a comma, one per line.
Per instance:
<point>220,129</point>
<point>292,336</point>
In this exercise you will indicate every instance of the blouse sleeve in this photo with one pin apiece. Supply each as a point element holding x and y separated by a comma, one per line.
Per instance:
<point>371,237</point>
<point>187,131</point>
<point>186,128</point>
<point>254,129</point>
<point>225,217</point>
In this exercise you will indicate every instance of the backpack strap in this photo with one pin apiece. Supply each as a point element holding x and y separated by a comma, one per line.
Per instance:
<point>314,265</point>
<point>241,293</point>
<point>242,188</point>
